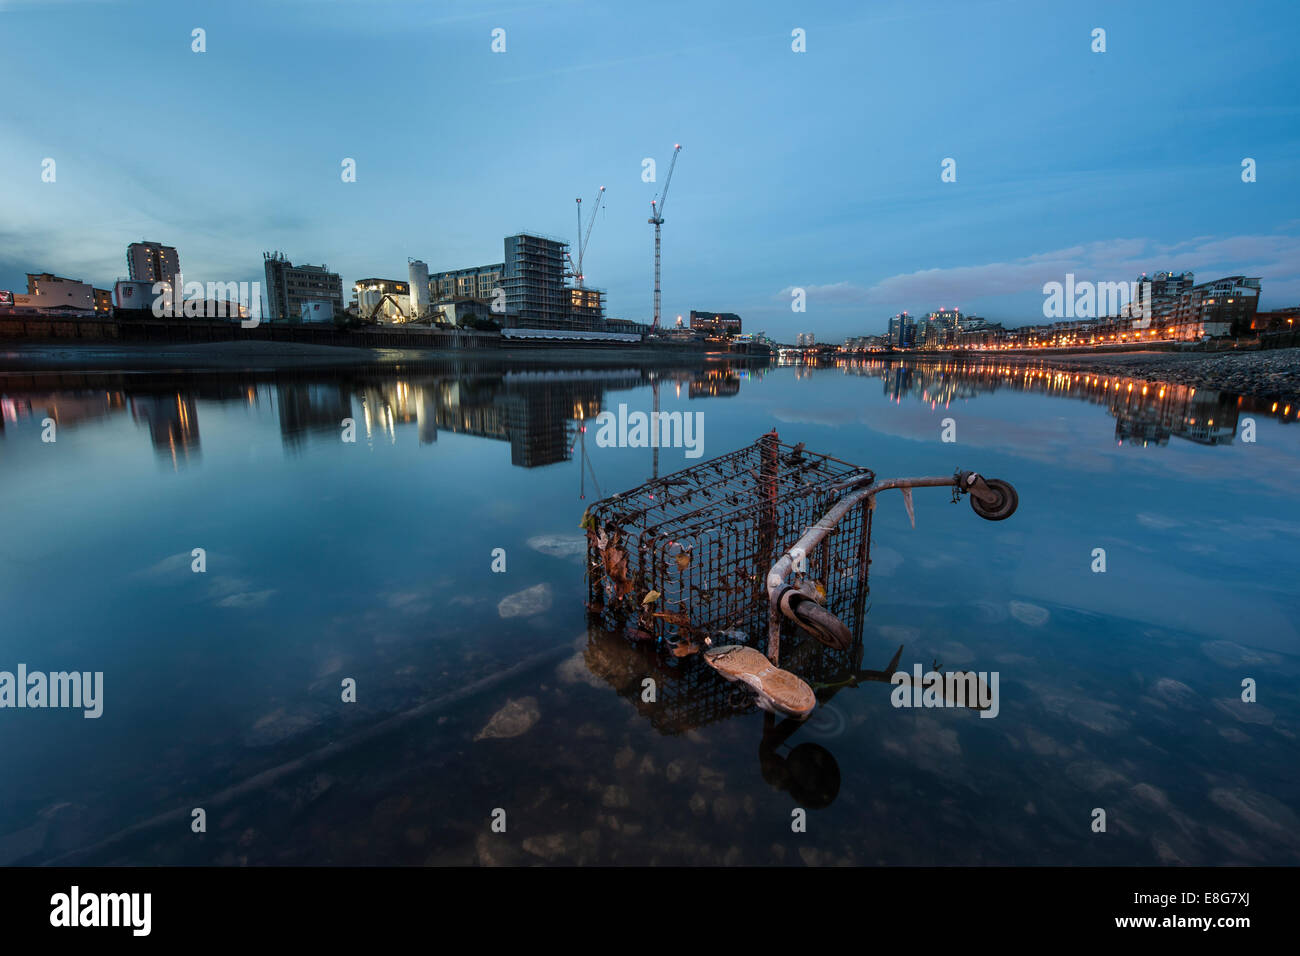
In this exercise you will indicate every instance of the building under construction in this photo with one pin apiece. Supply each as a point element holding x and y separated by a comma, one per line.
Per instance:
<point>587,308</point>
<point>534,280</point>
<point>534,284</point>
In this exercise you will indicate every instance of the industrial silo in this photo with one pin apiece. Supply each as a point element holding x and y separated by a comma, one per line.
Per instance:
<point>368,302</point>
<point>419,278</point>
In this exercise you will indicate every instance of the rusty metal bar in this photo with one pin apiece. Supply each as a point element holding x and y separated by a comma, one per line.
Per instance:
<point>817,533</point>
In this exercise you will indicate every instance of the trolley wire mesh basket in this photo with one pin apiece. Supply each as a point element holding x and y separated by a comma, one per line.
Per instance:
<point>685,556</point>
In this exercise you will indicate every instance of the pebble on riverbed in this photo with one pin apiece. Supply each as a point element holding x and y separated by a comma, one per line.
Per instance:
<point>513,720</point>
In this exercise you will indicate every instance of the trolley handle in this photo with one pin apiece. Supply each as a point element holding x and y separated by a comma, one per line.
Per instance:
<point>991,499</point>
<point>866,477</point>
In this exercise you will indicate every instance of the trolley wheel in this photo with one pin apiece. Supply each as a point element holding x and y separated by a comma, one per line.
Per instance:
<point>822,624</point>
<point>1001,509</point>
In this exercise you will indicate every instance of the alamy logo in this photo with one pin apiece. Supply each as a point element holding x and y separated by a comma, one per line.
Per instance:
<point>1091,300</point>
<point>218,300</point>
<point>75,908</point>
<point>653,430</point>
<point>57,689</point>
<point>953,689</point>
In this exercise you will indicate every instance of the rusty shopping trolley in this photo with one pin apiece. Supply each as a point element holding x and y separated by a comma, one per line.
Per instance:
<point>713,556</point>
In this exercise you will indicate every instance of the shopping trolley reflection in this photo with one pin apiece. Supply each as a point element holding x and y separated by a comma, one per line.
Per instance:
<point>687,695</point>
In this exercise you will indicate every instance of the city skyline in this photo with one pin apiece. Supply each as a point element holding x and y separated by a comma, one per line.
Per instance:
<point>777,180</point>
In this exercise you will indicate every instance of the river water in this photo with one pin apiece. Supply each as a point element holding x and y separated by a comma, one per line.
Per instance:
<point>483,696</point>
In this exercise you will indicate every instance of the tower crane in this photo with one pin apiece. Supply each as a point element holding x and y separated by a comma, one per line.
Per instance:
<point>657,219</point>
<point>576,267</point>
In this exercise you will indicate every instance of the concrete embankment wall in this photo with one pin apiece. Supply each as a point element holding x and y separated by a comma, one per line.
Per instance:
<point>45,329</point>
<point>46,342</point>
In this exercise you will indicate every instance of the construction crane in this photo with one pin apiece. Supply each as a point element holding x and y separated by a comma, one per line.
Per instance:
<point>657,219</point>
<point>583,240</point>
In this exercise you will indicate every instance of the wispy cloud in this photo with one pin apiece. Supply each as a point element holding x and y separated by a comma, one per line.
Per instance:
<point>1275,257</point>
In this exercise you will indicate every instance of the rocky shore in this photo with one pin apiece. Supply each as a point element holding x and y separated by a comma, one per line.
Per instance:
<point>1271,374</point>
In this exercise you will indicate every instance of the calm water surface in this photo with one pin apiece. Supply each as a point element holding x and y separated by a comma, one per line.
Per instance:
<point>372,561</point>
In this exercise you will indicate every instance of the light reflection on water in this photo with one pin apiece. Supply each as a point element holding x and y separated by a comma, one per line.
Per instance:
<point>372,560</point>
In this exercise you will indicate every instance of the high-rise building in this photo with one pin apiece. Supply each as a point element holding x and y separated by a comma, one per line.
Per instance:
<point>902,331</point>
<point>940,329</point>
<point>1222,307</point>
<point>152,261</point>
<point>534,280</point>
<point>289,287</point>
<point>1156,295</point>
<point>1169,285</point>
<point>530,285</point>
<point>945,318</point>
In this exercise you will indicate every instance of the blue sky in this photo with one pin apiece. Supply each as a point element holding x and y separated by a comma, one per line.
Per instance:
<point>817,170</point>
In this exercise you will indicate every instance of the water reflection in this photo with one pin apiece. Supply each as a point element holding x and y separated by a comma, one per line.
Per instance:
<point>688,695</point>
<point>173,424</point>
<point>310,408</point>
<point>536,411</point>
<point>715,383</point>
<point>539,411</point>
<point>1146,412</point>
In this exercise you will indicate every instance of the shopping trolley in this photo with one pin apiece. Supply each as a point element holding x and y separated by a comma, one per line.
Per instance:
<point>728,548</point>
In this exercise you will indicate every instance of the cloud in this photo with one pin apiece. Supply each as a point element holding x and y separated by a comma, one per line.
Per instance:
<point>247,599</point>
<point>172,564</point>
<point>838,293</point>
<point>1276,258</point>
<point>1158,522</point>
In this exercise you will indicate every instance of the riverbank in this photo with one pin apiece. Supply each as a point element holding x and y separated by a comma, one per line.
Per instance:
<point>258,356</point>
<point>1272,374</point>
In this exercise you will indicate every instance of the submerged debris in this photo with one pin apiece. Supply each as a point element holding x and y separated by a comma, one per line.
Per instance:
<point>559,545</point>
<point>1030,614</point>
<point>513,720</point>
<point>527,602</point>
